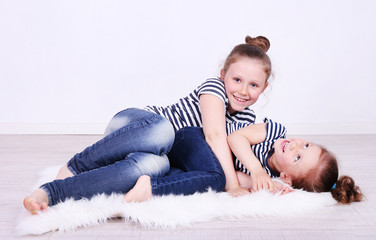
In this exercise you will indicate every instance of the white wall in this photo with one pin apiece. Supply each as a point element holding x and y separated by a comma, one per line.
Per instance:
<point>68,66</point>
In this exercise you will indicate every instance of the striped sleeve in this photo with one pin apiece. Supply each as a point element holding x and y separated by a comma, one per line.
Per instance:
<point>213,86</point>
<point>262,150</point>
<point>274,130</point>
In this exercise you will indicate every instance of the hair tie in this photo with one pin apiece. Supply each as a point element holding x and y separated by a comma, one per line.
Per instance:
<point>334,186</point>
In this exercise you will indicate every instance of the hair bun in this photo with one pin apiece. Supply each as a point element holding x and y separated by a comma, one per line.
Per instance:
<point>346,191</point>
<point>260,41</point>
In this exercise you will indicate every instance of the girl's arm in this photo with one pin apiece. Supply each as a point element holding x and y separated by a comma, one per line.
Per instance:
<point>240,143</point>
<point>214,127</point>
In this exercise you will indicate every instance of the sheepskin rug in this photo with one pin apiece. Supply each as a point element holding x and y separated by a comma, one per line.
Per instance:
<point>167,212</point>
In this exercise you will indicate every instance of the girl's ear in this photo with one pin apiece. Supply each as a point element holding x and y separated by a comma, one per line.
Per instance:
<point>222,74</point>
<point>285,178</point>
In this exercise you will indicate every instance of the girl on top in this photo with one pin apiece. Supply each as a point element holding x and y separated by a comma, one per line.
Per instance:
<point>137,140</point>
<point>262,149</point>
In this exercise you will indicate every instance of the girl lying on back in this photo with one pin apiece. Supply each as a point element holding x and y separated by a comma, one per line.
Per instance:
<point>263,152</point>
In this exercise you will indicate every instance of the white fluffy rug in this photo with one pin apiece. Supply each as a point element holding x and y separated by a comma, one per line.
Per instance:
<point>168,211</point>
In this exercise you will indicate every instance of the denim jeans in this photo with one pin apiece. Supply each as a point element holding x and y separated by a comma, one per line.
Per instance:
<point>194,167</point>
<point>136,143</point>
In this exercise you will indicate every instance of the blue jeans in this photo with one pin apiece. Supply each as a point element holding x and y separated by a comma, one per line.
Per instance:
<point>194,167</point>
<point>136,144</point>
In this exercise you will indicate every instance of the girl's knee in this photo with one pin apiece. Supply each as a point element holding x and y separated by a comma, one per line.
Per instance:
<point>126,117</point>
<point>118,121</point>
<point>151,164</point>
<point>164,135</point>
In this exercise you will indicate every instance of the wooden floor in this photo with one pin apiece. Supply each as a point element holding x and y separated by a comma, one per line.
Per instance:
<point>22,157</point>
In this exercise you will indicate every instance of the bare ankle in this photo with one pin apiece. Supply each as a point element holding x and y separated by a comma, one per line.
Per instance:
<point>141,191</point>
<point>64,172</point>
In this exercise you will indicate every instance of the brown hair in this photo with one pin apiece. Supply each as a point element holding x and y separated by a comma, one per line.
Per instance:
<point>254,48</point>
<point>324,179</point>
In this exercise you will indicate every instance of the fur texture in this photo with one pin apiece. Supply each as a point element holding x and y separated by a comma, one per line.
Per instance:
<point>169,211</point>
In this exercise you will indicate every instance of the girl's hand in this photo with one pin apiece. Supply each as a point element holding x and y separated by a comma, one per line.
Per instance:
<point>261,180</point>
<point>238,191</point>
<point>279,187</point>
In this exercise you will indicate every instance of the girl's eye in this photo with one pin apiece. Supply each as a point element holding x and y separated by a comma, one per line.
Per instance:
<point>297,158</point>
<point>236,79</point>
<point>253,85</point>
<point>307,145</point>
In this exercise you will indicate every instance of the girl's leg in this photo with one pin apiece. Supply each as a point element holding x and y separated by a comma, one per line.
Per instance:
<point>140,131</point>
<point>200,169</point>
<point>119,177</point>
<point>64,172</point>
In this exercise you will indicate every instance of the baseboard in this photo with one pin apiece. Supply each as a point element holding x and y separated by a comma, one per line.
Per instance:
<point>98,128</point>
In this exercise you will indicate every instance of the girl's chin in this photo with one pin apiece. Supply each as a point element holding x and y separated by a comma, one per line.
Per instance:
<point>236,110</point>
<point>239,107</point>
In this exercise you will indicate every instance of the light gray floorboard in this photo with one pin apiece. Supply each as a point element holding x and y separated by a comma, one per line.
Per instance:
<point>22,157</point>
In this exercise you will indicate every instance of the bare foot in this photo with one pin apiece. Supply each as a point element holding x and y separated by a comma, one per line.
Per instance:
<point>64,173</point>
<point>37,201</point>
<point>141,191</point>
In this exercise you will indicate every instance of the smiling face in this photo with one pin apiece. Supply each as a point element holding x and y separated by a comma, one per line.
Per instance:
<point>244,81</point>
<point>294,157</point>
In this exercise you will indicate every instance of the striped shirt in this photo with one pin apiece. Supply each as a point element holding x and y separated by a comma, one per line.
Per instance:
<point>265,149</point>
<point>186,112</point>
